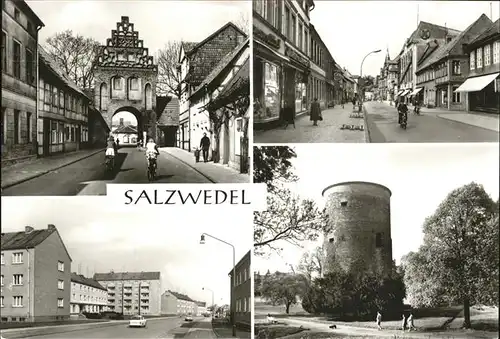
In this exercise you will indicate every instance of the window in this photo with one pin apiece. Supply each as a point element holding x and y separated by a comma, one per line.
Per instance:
<point>60,266</point>
<point>16,59</point>
<point>496,52</point>
<point>306,42</point>
<point>60,302</point>
<point>286,22</point>
<point>17,301</point>
<point>17,279</point>
<point>60,284</point>
<point>134,84</point>
<point>28,126</point>
<point>479,57</point>
<point>294,30</point>
<point>1,302</point>
<point>55,100</point>
<point>456,95</point>
<point>17,126</point>
<point>30,27</point>
<point>4,124</point>
<point>378,240</point>
<point>4,52</point>
<point>30,64</point>
<point>487,55</point>
<point>456,67</point>
<point>472,60</point>
<point>1,280</point>
<point>2,259</point>
<point>117,83</point>
<point>343,203</point>
<point>48,94</point>
<point>61,100</point>
<point>17,14</point>
<point>300,42</point>
<point>331,240</point>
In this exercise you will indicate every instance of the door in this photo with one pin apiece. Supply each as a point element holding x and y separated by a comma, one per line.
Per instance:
<point>78,137</point>
<point>46,137</point>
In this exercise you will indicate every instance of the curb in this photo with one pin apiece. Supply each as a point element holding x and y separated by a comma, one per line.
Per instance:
<point>367,130</point>
<point>187,164</point>
<point>20,181</point>
<point>464,123</point>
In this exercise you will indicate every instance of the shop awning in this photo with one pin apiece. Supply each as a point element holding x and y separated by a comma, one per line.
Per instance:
<point>476,84</point>
<point>405,92</point>
<point>416,91</point>
<point>265,49</point>
<point>400,92</point>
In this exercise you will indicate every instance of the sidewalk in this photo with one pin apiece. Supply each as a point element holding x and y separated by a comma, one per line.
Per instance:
<point>21,172</point>
<point>487,121</point>
<point>217,173</point>
<point>327,130</point>
<point>227,332</point>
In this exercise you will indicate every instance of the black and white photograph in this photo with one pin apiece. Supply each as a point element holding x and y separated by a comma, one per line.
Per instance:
<point>375,71</point>
<point>100,92</point>
<point>397,241</point>
<point>91,273</point>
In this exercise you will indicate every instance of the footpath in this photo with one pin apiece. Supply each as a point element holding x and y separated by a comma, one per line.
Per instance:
<point>483,120</point>
<point>329,130</point>
<point>15,333</point>
<point>216,173</point>
<point>24,171</point>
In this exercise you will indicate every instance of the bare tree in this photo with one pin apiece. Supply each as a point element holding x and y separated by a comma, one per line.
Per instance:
<point>75,54</point>
<point>243,23</point>
<point>169,79</point>
<point>311,263</point>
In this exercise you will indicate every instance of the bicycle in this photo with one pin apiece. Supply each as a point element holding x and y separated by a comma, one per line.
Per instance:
<point>110,163</point>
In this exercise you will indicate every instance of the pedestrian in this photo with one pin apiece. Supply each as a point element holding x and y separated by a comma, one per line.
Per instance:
<point>353,102</point>
<point>410,323</point>
<point>289,116</point>
<point>343,101</point>
<point>315,113</point>
<point>379,320</point>
<point>205,146</point>
<point>403,323</point>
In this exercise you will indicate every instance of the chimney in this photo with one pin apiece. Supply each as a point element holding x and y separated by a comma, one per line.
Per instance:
<point>51,227</point>
<point>28,229</point>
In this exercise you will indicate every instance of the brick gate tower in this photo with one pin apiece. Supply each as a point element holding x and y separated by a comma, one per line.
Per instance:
<point>125,78</point>
<point>358,235</point>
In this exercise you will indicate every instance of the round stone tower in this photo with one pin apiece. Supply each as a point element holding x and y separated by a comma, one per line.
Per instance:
<point>358,236</point>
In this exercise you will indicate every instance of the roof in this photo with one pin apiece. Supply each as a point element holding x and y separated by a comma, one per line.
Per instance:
<point>225,62</point>
<point>125,130</point>
<point>80,279</point>
<point>52,65</point>
<point>188,46</point>
<point>112,276</point>
<point>494,29</point>
<point>448,48</point>
<point>246,257</point>
<point>180,296</point>
<point>436,31</point>
<point>23,240</point>
<point>24,6</point>
<point>170,114</point>
<point>239,79</point>
<point>214,34</point>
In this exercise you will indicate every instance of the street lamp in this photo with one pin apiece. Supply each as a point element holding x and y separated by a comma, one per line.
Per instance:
<point>205,288</point>
<point>233,280</point>
<point>361,76</point>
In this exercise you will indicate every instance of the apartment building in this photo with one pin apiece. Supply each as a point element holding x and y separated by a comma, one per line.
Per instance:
<point>241,292</point>
<point>177,303</point>
<point>20,27</point>
<point>63,110</point>
<point>35,276</point>
<point>132,292</point>
<point>87,295</point>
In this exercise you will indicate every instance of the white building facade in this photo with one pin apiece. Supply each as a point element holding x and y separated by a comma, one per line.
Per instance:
<point>87,295</point>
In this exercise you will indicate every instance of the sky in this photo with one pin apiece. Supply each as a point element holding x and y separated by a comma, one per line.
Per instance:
<point>127,116</point>
<point>156,21</point>
<point>352,29</point>
<point>420,177</point>
<point>101,237</point>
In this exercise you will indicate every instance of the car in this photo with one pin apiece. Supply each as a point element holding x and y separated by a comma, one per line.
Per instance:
<point>137,321</point>
<point>188,318</point>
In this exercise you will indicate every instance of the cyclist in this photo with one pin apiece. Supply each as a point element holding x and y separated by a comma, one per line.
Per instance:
<point>152,151</point>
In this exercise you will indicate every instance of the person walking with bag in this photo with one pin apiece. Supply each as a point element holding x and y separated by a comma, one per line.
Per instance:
<point>315,113</point>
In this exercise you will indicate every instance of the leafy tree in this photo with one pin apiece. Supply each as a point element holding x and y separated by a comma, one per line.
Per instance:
<point>312,263</point>
<point>287,218</point>
<point>76,55</point>
<point>461,247</point>
<point>283,289</point>
<point>169,79</point>
<point>272,164</point>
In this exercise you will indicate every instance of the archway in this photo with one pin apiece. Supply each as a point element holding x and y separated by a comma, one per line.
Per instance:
<point>127,126</point>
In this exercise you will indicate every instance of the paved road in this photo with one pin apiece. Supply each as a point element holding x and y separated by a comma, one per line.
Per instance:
<point>89,176</point>
<point>155,329</point>
<point>428,127</point>
<point>345,331</point>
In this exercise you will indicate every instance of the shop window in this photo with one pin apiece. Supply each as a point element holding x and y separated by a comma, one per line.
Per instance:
<point>267,91</point>
<point>456,95</point>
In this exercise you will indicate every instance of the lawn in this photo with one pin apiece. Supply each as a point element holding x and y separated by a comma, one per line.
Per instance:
<point>268,331</point>
<point>432,319</point>
<point>6,325</point>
